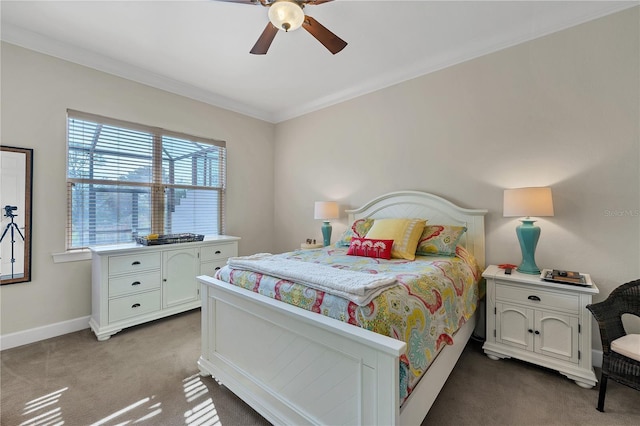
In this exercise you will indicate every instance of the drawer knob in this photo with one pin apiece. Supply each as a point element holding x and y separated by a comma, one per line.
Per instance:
<point>218,252</point>
<point>537,332</point>
<point>530,331</point>
<point>135,305</point>
<point>536,298</point>
<point>136,283</point>
<point>135,263</point>
<point>217,268</point>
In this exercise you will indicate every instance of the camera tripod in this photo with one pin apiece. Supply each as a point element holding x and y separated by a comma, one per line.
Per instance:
<point>8,212</point>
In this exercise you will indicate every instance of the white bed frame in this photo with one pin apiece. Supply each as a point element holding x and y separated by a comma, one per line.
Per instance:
<point>297,367</point>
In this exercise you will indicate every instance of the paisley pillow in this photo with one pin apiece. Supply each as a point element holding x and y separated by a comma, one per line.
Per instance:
<point>440,240</point>
<point>359,229</point>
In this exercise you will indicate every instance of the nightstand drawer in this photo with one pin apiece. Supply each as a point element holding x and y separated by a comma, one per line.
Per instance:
<point>131,306</point>
<point>538,298</point>
<point>134,283</point>
<point>219,251</point>
<point>135,262</point>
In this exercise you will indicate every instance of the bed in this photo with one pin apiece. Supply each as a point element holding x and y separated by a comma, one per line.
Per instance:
<point>276,356</point>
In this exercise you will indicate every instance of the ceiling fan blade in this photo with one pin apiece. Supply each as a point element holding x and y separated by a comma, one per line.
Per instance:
<point>323,35</point>
<point>241,1</point>
<point>263,43</point>
<point>269,2</point>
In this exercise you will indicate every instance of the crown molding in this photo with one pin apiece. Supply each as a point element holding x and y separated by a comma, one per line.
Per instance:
<point>429,66</point>
<point>37,42</point>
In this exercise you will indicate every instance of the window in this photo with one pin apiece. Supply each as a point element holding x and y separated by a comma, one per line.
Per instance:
<point>126,179</point>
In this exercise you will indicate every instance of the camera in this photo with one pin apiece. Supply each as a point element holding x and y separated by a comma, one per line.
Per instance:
<point>8,210</point>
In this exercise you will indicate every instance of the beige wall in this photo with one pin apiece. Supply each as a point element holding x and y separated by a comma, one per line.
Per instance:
<point>36,92</point>
<point>561,111</point>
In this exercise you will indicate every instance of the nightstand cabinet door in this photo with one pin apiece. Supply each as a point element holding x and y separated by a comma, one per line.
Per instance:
<point>547,333</point>
<point>514,326</point>
<point>558,336</point>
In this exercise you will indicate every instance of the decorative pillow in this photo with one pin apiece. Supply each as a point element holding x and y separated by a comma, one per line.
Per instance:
<point>378,249</point>
<point>359,228</point>
<point>405,234</point>
<point>440,240</point>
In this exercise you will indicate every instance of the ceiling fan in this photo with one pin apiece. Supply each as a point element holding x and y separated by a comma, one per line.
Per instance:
<point>288,15</point>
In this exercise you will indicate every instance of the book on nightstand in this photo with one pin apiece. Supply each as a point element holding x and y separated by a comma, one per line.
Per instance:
<point>564,277</point>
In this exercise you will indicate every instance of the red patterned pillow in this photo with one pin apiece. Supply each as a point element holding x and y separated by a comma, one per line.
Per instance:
<point>379,249</point>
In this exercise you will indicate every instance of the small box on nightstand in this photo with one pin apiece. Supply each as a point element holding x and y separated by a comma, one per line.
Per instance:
<point>306,246</point>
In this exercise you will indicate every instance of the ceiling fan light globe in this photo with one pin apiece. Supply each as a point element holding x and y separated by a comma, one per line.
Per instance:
<point>286,15</point>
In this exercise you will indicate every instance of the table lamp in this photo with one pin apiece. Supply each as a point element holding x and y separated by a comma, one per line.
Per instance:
<point>528,202</point>
<point>326,210</point>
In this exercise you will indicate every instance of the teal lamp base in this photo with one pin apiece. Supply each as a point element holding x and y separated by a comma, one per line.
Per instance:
<point>326,232</point>
<point>528,235</point>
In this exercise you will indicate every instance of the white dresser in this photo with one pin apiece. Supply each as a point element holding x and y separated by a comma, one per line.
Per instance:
<point>540,322</point>
<point>133,284</point>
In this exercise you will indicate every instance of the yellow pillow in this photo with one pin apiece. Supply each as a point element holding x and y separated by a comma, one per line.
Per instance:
<point>405,234</point>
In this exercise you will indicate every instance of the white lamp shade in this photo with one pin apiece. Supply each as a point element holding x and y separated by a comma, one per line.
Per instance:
<point>326,210</point>
<point>528,202</point>
<point>286,15</point>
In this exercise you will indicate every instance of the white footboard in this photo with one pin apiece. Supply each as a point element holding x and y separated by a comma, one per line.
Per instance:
<point>298,367</point>
<point>294,366</point>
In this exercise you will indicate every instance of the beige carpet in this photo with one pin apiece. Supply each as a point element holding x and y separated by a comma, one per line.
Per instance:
<point>148,375</point>
<point>480,391</point>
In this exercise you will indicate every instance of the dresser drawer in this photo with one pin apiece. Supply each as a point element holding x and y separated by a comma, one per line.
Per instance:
<point>134,262</point>
<point>131,306</point>
<point>537,298</point>
<point>210,268</point>
<point>219,251</point>
<point>134,283</point>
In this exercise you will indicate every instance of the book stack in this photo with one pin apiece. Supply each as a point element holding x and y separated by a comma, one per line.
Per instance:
<point>565,277</point>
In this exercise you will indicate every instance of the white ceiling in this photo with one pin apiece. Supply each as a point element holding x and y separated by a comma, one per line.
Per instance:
<point>200,48</point>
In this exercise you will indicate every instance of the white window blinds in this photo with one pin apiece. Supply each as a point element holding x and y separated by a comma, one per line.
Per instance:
<point>126,179</point>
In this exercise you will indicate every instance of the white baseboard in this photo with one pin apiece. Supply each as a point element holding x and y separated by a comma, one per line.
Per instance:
<point>596,358</point>
<point>11,340</point>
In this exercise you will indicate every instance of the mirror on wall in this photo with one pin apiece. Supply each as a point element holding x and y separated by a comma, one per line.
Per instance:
<point>16,170</point>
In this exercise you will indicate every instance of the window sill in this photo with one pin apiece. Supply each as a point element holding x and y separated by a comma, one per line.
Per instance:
<point>71,256</point>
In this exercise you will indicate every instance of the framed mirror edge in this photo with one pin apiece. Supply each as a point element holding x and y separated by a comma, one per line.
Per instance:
<point>27,210</point>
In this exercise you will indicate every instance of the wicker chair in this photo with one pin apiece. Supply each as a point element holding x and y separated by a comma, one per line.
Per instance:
<point>623,369</point>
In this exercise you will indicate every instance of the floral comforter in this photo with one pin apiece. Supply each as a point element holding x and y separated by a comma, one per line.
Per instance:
<point>434,297</point>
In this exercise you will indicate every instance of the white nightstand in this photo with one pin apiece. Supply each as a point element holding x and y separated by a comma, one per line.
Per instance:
<point>540,322</point>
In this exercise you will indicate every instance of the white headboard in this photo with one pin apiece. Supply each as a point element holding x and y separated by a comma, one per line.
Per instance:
<point>437,210</point>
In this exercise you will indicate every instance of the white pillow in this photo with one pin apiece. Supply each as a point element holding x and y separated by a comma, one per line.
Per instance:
<point>628,346</point>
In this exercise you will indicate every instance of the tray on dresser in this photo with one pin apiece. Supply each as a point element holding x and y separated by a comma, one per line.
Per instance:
<point>169,239</point>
